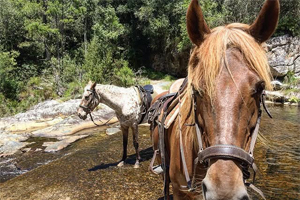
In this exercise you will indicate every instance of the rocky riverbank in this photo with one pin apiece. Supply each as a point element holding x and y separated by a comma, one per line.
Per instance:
<point>49,119</point>
<point>285,94</point>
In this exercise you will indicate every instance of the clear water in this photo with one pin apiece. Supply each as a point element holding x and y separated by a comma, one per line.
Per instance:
<point>277,154</point>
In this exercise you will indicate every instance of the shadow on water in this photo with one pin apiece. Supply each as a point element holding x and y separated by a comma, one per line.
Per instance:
<point>146,154</point>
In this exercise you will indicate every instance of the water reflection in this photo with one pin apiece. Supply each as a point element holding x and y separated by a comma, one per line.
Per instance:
<point>277,154</point>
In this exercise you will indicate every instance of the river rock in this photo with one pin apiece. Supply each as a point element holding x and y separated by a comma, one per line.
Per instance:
<point>111,131</point>
<point>11,143</point>
<point>25,150</point>
<point>4,138</point>
<point>11,147</point>
<point>277,85</point>
<point>276,96</point>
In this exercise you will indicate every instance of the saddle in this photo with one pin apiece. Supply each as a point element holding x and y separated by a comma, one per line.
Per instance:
<point>145,94</point>
<point>166,108</point>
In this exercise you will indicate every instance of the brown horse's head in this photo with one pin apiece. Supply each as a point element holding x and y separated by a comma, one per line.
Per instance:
<point>90,100</point>
<point>228,70</point>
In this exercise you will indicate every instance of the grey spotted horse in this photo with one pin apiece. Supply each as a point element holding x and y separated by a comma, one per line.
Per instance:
<point>130,105</point>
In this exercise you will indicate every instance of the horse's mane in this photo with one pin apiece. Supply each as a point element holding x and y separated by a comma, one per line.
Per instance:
<point>206,61</point>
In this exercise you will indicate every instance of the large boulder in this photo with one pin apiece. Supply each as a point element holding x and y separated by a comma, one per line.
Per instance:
<point>284,55</point>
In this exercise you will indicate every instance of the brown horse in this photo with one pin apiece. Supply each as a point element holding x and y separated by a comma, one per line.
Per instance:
<point>227,73</point>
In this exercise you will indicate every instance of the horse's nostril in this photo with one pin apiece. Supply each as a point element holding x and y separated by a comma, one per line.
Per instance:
<point>245,197</point>
<point>204,187</point>
<point>204,190</point>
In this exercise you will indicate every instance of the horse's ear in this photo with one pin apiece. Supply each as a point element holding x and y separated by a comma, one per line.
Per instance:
<point>266,22</point>
<point>90,82</point>
<point>196,25</point>
<point>93,86</point>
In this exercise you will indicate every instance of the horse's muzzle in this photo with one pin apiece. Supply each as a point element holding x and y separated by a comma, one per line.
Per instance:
<point>82,116</point>
<point>224,180</point>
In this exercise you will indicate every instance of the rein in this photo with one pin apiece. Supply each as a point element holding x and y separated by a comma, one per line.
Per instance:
<point>223,151</point>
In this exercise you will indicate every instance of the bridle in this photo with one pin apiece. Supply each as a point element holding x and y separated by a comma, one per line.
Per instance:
<point>87,107</point>
<point>223,151</point>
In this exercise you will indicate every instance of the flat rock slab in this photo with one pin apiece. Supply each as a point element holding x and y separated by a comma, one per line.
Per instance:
<point>11,143</point>
<point>64,142</point>
<point>31,125</point>
<point>11,147</point>
<point>68,129</point>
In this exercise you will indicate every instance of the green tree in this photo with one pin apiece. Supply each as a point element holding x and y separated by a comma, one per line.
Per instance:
<point>289,21</point>
<point>8,83</point>
<point>104,52</point>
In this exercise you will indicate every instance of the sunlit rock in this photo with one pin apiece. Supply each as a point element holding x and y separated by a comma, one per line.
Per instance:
<point>284,55</point>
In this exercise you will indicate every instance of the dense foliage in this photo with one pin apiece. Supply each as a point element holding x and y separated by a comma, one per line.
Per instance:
<point>51,48</point>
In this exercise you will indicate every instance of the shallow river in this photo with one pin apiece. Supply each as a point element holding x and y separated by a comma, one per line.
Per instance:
<point>87,169</point>
<point>277,154</point>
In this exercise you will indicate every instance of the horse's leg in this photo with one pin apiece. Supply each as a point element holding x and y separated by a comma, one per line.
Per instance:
<point>135,139</point>
<point>125,142</point>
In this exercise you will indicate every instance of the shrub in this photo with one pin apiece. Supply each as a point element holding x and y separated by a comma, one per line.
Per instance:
<point>74,90</point>
<point>124,76</point>
<point>8,83</point>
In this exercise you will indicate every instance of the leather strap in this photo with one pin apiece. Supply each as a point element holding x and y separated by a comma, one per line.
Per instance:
<point>255,134</point>
<point>152,161</point>
<point>164,156</point>
<point>226,152</point>
<point>93,119</point>
<point>264,104</point>
<point>253,187</point>
<point>87,107</point>
<point>186,173</point>
<point>229,151</point>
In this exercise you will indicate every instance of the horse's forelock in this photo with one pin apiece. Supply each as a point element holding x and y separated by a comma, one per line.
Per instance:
<point>206,60</point>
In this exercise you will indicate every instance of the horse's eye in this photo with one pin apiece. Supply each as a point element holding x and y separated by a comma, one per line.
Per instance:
<point>86,97</point>
<point>259,87</point>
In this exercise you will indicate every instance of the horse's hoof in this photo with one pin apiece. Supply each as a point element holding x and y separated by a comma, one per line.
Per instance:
<point>136,165</point>
<point>121,164</point>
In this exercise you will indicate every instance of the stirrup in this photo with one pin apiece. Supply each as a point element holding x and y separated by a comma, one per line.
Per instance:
<point>157,169</point>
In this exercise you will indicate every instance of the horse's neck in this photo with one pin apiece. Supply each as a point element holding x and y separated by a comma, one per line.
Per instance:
<point>112,96</point>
